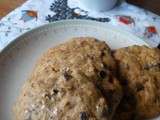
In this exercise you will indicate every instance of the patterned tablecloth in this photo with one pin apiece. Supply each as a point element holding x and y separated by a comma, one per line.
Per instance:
<point>34,13</point>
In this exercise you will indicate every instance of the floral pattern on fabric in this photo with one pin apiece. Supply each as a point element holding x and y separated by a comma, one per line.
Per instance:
<point>28,15</point>
<point>34,13</point>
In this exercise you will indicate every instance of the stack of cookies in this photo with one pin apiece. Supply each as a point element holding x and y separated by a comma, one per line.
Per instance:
<point>83,79</point>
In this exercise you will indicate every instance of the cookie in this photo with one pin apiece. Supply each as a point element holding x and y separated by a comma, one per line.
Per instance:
<point>139,70</point>
<point>73,81</point>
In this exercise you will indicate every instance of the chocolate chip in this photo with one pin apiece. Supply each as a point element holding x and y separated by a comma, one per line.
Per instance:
<point>102,74</point>
<point>105,66</point>
<point>67,76</point>
<point>47,96</point>
<point>102,54</point>
<point>55,91</point>
<point>53,69</point>
<point>139,87</point>
<point>83,116</point>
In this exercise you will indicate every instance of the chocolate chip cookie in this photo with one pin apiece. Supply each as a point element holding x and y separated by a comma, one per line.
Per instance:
<point>73,81</point>
<point>139,70</point>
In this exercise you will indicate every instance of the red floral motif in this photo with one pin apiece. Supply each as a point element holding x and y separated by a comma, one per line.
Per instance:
<point>150,31</point>
<point>29,15</point>
<point>126,20</point>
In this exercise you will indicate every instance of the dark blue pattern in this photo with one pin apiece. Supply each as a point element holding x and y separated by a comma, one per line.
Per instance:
<point>63,12</point>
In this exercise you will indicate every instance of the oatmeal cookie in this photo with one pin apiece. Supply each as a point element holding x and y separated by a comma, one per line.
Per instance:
<point>139,70</point>
<point>73,81</point>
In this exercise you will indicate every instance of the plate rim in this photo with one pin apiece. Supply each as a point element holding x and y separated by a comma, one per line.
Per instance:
<point>65,22</point>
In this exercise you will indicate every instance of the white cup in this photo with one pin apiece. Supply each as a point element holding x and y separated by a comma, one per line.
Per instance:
<point>98,5</point>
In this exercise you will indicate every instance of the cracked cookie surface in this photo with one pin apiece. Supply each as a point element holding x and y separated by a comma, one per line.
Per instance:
<point>73,81</point>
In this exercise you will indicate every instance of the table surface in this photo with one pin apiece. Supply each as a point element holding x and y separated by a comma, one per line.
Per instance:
<point>130,18</point>
<point>152,5</point>
<point>8,5</point>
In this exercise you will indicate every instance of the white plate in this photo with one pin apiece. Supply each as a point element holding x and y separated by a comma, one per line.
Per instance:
<point>18,58</point>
